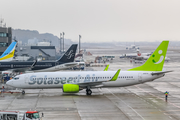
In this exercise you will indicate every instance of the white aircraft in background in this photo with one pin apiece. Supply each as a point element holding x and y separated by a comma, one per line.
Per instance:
<point>72,82</point>
<point>145,56</point>
<point>132,47</point>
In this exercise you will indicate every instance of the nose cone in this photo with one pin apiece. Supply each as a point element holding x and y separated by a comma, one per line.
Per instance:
<point>10,83</point>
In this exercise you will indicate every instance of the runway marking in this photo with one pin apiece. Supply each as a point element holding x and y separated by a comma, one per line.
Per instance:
<point>15,97</point>
<point>126,104</point>
<point>158,97</point>
<point>78,113</point>
<point>35,107</point>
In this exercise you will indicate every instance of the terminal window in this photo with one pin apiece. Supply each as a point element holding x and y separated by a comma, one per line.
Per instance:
<point>3,44</point>
<point>3,34</point>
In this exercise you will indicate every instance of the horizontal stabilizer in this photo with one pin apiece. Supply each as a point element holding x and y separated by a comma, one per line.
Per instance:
<point>162,72</point>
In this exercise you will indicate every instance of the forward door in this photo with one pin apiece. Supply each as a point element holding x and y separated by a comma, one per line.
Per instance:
<point>140,77</point>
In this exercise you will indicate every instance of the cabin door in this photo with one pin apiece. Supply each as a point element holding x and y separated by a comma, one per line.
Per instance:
<point>11,65</point>
<point>56,65</point>
<point>26,79</point>
<point>140,77</point>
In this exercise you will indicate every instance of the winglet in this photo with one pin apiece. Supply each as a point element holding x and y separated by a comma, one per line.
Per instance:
<point>106,69</point>
<point>116,75</point>
<point>34,64</point>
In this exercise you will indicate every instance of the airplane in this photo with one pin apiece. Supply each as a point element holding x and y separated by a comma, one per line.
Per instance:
<point>9,52</point>
<point>73,82</point>
<point>132,47</point>
<point>66,61</point>
<point>132,55</point>
<point>145,56</point>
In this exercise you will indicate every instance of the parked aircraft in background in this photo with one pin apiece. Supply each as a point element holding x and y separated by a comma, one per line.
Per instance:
<point>66,61</point>
<point>9,52</point>
<point>72,82</point>
<point>145,56</point>
<point>132,55</point>
<point>132,47</point>
<point>139,56</point>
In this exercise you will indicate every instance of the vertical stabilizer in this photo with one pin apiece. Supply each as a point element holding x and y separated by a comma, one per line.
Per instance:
<point>9,52</point>
<point>156,60</point>
<point>69,55</point>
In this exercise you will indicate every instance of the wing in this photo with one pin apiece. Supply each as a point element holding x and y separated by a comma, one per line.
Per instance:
<point>99,83</point>
<point>71,64</point>
<point>25,69</point>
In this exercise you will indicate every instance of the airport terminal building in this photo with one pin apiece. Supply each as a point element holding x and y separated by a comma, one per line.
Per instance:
<point>40,53</point>
<point>5,38</point>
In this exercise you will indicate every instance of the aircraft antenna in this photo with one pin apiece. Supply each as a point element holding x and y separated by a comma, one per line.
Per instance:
<point>1,22</point>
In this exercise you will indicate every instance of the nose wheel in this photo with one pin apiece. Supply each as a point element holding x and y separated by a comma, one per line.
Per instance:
<point>88,92</point>
<point>23,92</point>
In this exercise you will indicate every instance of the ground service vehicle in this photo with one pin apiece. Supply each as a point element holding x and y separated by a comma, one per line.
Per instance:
<point>19,115</point>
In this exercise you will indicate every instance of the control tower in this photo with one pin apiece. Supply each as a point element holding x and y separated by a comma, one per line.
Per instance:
<point>5,36</point>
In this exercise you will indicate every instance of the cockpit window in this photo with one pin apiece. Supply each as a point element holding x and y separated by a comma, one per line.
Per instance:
<point>15,78</point>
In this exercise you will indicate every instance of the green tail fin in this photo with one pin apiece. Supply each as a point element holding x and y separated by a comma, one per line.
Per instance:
<point>156,60</point>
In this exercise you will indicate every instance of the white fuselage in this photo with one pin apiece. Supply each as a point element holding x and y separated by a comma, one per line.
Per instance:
<point>57,79</point>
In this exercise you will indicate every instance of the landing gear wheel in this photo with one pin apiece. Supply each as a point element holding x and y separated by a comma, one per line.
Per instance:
<point>23,92</point>
<point>88,92</point>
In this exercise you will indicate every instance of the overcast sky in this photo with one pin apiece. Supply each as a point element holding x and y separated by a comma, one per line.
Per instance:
<point>97,20</point>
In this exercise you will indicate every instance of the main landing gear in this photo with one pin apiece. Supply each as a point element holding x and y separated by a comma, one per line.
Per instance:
<point>88,91</point>
<point>23,92</point>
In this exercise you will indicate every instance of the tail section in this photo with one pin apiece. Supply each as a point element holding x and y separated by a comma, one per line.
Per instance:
<point>138,52</point>
<point>69,55</point>
<point>9,52</point>
<point>156,60</point>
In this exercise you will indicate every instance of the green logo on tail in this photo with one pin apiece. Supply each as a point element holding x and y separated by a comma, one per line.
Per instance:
<point>161,57</point>
<point>156,60</point>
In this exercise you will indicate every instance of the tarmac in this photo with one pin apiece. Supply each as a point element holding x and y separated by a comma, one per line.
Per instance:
<point>139,102</point>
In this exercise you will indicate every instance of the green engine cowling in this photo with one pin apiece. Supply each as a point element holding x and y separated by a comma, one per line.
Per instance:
<point>70,88</point>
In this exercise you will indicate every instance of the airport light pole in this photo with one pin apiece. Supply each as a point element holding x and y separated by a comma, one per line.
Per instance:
<point>79,43</point>
<point>60,41</point>
<point>63,40</point>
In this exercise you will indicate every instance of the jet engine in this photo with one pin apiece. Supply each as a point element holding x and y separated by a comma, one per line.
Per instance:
<point>70,88</point>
